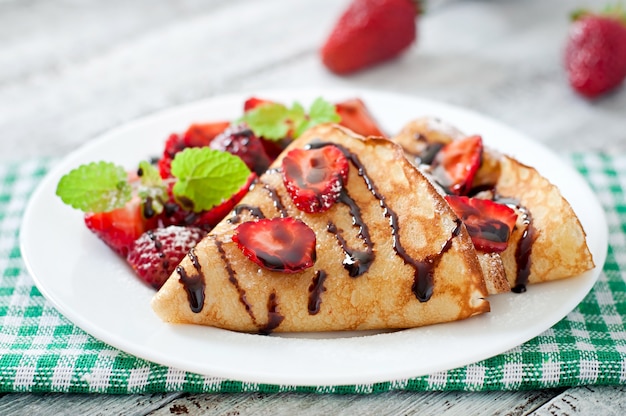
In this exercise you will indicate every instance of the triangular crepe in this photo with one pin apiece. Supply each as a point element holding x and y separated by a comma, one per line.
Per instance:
<point>548,242</point>
<point>217,285</point>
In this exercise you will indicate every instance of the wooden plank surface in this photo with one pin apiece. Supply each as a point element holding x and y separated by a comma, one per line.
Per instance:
<point>71,70</point>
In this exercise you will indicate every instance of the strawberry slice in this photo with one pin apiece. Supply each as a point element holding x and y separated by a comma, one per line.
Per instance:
<point>280,244</point>
<point>173,145</point>
<point>456,164</point>
<point>314,177</point>
<point>121,227</point>
<point>156,253</point>
<point>201,134</point>
<point>489,223</point>
<point>355,116</point>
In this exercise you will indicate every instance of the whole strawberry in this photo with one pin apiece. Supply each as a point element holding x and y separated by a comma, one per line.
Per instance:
<point>157,252</point>
<point>595,54</point>
<point>370,32</point>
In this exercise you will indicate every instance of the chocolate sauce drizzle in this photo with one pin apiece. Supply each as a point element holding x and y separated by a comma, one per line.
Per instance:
<point>233,280</point>
<point>274,318</point>
<point>423,282</point>
<point>423,279</point>
<point>522,254</point>
<point>194,285</point>
<point>356,262</point>
<point>254,211</point>
<point>278,203</point>
<point>315,292</point>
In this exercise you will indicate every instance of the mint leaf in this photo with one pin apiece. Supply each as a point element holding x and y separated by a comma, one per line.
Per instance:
<point>152,189</point>
<point>95,187</point>
<point>268,120</point>
<point>321,112</point>
<point>275,121</point>
<point>206,177</point>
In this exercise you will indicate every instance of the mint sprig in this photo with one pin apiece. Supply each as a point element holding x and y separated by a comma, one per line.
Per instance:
<point>275,121</point>
<point>205,177</point>
<point>95,187</point>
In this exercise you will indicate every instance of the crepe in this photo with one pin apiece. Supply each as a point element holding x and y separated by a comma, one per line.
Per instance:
<point>411,229</point>
<point>548,241</point>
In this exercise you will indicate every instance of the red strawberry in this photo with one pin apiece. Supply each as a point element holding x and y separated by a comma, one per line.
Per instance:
<point>156,253</point>
<point>198,135</point>
<point>456,164</point>
<point>121,227</point>
<point>355,116</point>
<point>242,142</point>
<point>173,145</point>
<point>314,177</point>
<point>206,220</point>
<point>279,244</point>
<point>370,32</point>
<point>489,223</point>
<point>595,53</point>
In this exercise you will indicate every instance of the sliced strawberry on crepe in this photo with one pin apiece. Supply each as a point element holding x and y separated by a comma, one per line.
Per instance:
<point>547,241</point>
<point>456,164</point>
<point>279,244</point>
<point>314,177</point>
<point>489,223</point>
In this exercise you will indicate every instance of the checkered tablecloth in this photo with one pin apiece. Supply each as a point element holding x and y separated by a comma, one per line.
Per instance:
<point>41,351</point>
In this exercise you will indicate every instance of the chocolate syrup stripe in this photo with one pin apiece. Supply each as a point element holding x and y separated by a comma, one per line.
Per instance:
<point>356,262</point>
<point>423,270</point>
<point>194,285</point>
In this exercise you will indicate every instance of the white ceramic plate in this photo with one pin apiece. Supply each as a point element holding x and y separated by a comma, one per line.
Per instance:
<point>96,290</point>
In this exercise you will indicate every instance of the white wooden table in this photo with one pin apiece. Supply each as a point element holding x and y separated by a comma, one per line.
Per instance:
<point>70,70</point>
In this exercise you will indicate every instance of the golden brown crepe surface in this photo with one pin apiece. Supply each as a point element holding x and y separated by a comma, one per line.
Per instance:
<point>239,295</point>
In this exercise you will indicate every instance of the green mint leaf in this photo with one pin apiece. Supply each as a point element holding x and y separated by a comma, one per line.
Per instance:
<point>268,120</point>
<point>275,121</point>
<point>152,189</point>
<point>321,111</point>
<point>95,187</point>
<point>206,177</point>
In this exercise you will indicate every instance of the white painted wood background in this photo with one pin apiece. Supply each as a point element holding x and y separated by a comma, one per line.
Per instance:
<point>72,69</point>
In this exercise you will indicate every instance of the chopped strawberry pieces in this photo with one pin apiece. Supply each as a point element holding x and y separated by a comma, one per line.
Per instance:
<point>489,223</point>
<point>242,142</point>
<point>280,244</point>
<point>201,134</point>
<point>173,145</point>
<point>121,227</point>
<point>456,164</point>
<point>156,253</point>
<point>355,116</point>
<point>314,177</point>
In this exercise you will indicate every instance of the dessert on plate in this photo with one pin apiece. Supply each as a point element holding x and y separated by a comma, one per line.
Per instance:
<point>287,220</point>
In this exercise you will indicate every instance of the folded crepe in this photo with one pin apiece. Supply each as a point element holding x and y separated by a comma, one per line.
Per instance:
<point>548,241</point>
<point>417,264</point>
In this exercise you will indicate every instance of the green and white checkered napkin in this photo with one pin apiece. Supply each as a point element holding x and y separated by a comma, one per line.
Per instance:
<point>41,351</point>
